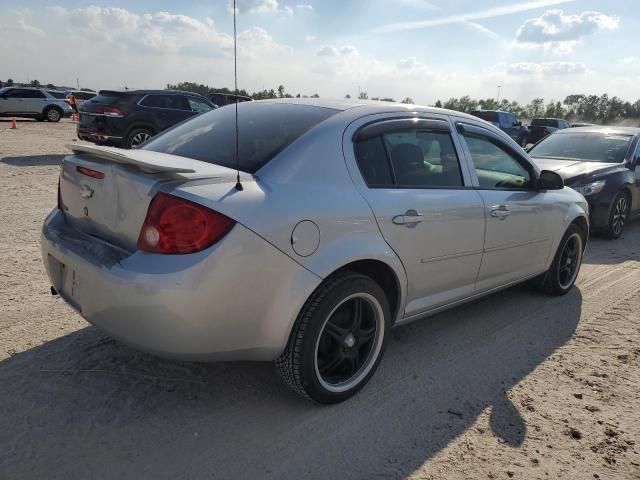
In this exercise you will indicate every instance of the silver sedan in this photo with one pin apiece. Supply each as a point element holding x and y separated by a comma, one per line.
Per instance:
<point>307,237</point>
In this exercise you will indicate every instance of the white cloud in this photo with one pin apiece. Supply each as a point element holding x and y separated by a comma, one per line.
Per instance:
<point>630,60</point>
<point>554,29</point>
<point>133,49</point>
<point>331,51</point>
<point>254,6</point>
<point>465,17</point>
<point>539,69</point>
<point>304,7</point>
<point>310,38</point>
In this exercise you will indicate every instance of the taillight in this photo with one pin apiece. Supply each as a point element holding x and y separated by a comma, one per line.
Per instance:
<point>107,111</point>
<point>174,225</point>
<point>90,172</point>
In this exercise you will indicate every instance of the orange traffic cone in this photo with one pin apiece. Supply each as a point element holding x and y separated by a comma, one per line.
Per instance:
<point>14,124</point>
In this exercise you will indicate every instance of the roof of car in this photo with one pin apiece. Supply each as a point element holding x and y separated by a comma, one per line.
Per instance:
<point>138,91</point>
<point>613,130</point>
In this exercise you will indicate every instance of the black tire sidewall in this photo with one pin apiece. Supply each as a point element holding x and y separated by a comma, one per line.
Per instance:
<point>307,344</point>
<point>610,232</point>
<point>49,109</point>
<point>552,282</point>
<point>134,132</point>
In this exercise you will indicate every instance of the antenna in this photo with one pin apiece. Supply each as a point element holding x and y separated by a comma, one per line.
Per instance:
<point>235,80</point>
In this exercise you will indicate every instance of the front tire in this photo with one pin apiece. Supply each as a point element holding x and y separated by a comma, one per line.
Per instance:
<point>618,215</point>
<point>564,269</point>
<point>338,339</point>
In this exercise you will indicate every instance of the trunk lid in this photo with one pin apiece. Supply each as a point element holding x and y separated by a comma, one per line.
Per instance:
<point>105,192</point>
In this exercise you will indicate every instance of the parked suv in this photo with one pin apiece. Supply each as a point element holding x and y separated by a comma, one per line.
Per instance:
<point>127,118</point>
<point>541,127</point>
<point>32,103</point>
<point>507,122</point>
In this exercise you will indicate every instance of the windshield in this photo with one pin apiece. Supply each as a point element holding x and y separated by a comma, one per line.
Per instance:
<point>589,146</point>
<point>265,129</point>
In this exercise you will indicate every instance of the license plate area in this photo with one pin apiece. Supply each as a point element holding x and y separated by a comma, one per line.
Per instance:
<point>65,280</point>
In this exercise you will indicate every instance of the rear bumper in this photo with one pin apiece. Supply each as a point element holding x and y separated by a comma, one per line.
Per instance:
<point>237,300</point>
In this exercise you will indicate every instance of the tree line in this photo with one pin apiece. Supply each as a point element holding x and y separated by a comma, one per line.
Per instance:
<point>265,94</point>
<point>589,108</point>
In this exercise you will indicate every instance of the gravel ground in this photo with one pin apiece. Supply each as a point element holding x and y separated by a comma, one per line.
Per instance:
<point>516,385</point>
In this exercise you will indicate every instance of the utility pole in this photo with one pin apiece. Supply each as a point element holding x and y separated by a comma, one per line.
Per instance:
<point>499,87</point>
<point>77,83</point>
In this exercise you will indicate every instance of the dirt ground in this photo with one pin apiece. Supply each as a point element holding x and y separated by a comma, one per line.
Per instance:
<point>516,385</point>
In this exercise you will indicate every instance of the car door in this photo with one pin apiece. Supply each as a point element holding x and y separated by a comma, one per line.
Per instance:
<point>520,221</point>
<point>33,101</point>
<point>13,101</point>
<point>636,170</point>
<point>410,173</point>
<point>166,110</point>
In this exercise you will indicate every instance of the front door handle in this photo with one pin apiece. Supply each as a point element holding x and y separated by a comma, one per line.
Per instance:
<point>409,219</point>
<point>500,211</point>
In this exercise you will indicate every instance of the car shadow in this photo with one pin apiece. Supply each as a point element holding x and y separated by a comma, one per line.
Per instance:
<point>604,251</point>
<point>33,160</point>
<point>86,406</point>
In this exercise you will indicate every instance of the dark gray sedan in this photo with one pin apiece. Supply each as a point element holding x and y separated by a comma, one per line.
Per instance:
<point>602,164</point>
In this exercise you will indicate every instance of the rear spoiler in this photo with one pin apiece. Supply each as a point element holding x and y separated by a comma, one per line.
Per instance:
<point>145,160</point>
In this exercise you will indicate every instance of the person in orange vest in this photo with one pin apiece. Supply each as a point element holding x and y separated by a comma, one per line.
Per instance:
<point>71,98</point>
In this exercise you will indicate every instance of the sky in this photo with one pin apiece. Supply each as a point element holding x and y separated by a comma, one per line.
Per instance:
<point>422,49</point>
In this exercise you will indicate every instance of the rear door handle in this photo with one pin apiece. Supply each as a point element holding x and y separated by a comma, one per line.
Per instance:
<point>500,211</point>
<point>409,219</point>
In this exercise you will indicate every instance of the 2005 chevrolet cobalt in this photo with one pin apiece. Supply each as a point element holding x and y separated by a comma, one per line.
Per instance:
<point>350,218</point>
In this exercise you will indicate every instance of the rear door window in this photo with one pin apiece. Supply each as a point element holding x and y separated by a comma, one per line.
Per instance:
<point>173,102</point>
<point>265,129</point>
<point>409,158</point>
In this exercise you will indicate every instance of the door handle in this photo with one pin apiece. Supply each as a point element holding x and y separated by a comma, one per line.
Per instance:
<point>410,218</point>
<point>500,211</point>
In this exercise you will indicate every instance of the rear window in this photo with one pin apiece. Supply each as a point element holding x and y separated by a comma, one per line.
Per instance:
<point>265,129</point>
<point>544,122</point>
<point>110,98</point>
<point>488,116</point>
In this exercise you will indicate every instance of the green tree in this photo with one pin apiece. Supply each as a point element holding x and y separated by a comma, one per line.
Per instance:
<point>347,96</point>
<point>34,83</point>
<point>9,82</point>
<point>408,101</point>
<point>363,96</point>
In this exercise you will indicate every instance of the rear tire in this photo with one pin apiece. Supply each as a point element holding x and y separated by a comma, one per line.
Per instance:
<point>618,215</point>
<point>138,136</point>
<point>52,114</point>
<point>338,339</point>
<point>564,269</point>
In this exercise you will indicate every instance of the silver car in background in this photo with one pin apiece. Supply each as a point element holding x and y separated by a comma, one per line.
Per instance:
<point>35,103</point>
<point>348,219</point>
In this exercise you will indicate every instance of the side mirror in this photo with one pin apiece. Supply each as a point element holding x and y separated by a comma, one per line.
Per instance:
<point>518,124</point>
<point>549,180</point>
